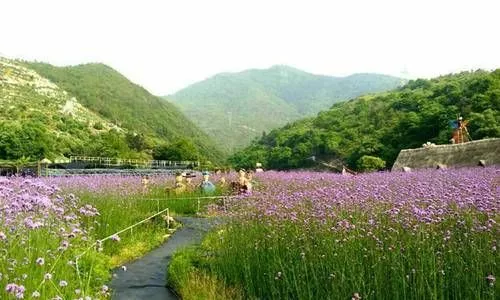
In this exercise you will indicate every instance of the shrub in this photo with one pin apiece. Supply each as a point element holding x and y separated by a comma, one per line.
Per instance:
<point>369,163</point>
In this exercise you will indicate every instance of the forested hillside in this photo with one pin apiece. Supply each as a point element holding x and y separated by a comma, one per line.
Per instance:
<point>47,111</point>
<point>373,129</point>
<point>234,108</point>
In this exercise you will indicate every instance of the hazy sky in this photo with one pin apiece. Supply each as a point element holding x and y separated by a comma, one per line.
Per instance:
<point>167,45</point>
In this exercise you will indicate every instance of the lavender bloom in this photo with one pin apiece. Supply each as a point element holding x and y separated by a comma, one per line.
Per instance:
<point>40,261</point>
<point>16,290</point>
<point>491,279</point>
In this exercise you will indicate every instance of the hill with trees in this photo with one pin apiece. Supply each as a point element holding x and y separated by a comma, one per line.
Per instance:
<point>235,108</point>
<point>368,132</point>
<point>89,109</point>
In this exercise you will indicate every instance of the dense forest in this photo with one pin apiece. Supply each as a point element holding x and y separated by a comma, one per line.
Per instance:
<point>90,110</point>
<point>368,132</point>
<point>234,108</point>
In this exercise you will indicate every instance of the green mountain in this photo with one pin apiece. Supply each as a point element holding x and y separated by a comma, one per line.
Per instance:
<point>374,128</point>
<point>234,108</point>
<point>88,110</point>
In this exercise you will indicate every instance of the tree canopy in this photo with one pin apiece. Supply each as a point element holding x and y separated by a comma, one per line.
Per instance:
<point>381,125</point>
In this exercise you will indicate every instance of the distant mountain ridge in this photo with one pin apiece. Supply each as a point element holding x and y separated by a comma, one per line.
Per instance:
<point>235,108</point>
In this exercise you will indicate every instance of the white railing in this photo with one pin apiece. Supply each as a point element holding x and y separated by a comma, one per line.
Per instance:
<point>108,161</point>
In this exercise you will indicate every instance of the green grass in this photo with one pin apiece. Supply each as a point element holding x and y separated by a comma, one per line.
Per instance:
<point>191,282</point>
<point>284,260</point>
<point>118,212</point>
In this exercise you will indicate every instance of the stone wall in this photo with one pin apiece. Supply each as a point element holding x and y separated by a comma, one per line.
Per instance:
<point>453,155</point>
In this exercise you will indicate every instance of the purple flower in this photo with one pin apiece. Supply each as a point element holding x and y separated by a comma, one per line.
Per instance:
<point>11,287</point>
<point>65,244</point>
<point>491,279</point>
<point>115,238</point>
<point>16,290</point>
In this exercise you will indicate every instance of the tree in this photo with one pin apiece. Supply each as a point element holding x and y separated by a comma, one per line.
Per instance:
<point>279,158</point>
<point>136,141</point>
<point>247,158</point>
<point>27,139</point>
<point>369,163</point>
<point>181,149</point>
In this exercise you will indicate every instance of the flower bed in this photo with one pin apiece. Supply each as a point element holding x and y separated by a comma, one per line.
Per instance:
<point>423,235</point>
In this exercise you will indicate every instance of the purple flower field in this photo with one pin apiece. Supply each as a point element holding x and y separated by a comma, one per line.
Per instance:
<point>45,223</point>
<point>406,198</point>
<point>41,232</point>
<point>300,235</point>
<point>428,234</point>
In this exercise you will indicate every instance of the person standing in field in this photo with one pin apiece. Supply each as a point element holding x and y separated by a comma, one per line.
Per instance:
<point>145,184</point>
<point>206,186</point>
<point>179,187</point>
<point>249,181</point>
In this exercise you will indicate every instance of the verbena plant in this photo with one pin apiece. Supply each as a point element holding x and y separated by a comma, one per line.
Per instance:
<point>44,228</point>
<point>422,235</point>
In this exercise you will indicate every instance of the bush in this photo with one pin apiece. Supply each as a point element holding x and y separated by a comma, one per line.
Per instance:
<point>369,163</point>
<point>98,126</point>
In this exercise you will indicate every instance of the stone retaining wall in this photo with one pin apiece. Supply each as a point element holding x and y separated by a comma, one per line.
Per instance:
<point>453,155</point>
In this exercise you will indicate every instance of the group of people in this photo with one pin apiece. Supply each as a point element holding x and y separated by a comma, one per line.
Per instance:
<point>184,183</point>
<point>244,184</point>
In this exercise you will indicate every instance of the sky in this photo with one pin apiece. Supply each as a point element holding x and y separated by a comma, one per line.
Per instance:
<point>166,45</point>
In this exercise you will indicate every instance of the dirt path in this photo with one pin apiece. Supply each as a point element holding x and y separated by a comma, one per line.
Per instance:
<point>145,278</point>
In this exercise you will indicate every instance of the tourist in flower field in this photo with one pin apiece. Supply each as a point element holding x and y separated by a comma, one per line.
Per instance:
<point>145,184</point>
<point>249,181</point>
<point>190,186</point>
<point>222,182</point>
<point>179,186</point>
<point>240,186</point>
<point>206,186</point>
